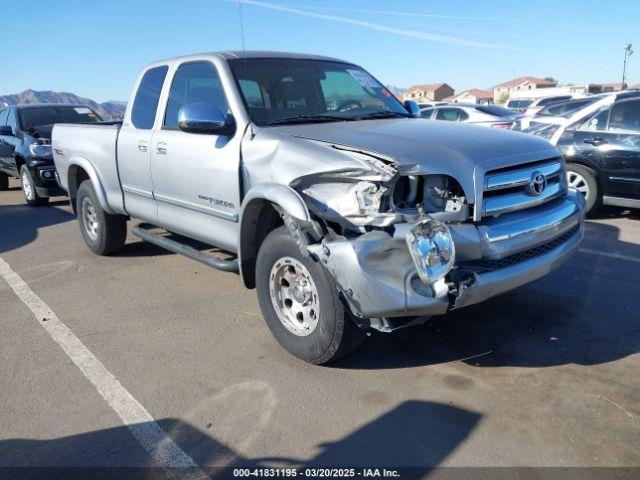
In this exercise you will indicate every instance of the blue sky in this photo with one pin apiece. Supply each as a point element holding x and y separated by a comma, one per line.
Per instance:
<point>96,48</point>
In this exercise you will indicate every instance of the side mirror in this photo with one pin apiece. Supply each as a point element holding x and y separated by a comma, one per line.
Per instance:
<point>5,130</point>
<point>412,107</point>
<point>202,118</point>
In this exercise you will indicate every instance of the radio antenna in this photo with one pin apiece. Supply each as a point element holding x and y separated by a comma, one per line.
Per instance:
<point>241,26</point>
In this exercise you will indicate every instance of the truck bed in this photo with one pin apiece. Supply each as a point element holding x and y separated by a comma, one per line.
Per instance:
<point>86,146</point>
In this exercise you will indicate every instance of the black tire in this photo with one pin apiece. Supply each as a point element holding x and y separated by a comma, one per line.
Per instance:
<point>28,188</point>
<point>4,181</point>
<point>335,334</point>
<point>105,233</point>
<point>593,197</point>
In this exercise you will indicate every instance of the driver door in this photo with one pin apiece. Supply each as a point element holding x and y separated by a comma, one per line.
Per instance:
<point>196,175</point>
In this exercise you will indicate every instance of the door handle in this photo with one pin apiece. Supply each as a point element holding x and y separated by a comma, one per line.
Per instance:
<point>161,148</point>
<point>595,141</point>
<point>142,146</point>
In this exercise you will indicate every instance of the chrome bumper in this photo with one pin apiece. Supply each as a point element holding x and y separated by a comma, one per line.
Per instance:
<point>377,277</point>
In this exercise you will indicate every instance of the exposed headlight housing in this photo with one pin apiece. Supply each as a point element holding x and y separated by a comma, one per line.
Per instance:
<point>432,249</point>
<point>359,202</point>
<point>368,196</point>
<point>37,150</point>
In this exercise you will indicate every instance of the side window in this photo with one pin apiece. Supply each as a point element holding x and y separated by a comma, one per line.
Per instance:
<point>463,116</point>
<point>145,105</point>
<point>597,122</point>
<point>426,113</point>
<point>3,116</point>
<point>194,83</point>
<point>448,114</point>
<point>625,117</point>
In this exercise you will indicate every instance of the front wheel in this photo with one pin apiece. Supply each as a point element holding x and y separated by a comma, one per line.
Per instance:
<point>584,180</point>
<point>29,189</point>
<point>103,233</point>
<point>4,181</point>
<point>300,302</point>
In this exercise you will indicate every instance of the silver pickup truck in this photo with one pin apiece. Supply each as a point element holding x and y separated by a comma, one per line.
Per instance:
<point>323,191</point>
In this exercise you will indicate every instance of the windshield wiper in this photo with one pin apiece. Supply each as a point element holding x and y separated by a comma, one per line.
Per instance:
<point>308,119</point>
<point>382,114</point>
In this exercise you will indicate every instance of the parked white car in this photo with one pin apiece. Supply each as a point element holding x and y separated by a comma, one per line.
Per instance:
<point>530,106</point>
<point>432,104</point>
<point>486,115</point>
<point>556,113</point>
<point>539,103</point>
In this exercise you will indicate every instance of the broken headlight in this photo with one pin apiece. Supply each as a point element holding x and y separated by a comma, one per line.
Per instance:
<point>432,249</point>
<point>368,195</point>
<point>358,201</point>
<point>432,193</point>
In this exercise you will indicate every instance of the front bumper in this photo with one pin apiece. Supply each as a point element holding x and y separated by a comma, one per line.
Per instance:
<point>377,277</point>
<point>43,172</point>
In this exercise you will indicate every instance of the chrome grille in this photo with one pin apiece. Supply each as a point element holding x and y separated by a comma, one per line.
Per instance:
<point>506,190</point>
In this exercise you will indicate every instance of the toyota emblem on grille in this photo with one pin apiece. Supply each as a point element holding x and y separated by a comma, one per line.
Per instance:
<point>537,183</point>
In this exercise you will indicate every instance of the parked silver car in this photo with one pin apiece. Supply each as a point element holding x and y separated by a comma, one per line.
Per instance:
<point>484,115</point>
<point>327,195</point>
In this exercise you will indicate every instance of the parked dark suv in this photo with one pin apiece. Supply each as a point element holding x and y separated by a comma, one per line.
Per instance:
<point>602,151</point>
<point>25,146</point>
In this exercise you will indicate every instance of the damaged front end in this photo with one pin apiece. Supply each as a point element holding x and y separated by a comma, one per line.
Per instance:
<point>386,239</point>
<point>403,247</point>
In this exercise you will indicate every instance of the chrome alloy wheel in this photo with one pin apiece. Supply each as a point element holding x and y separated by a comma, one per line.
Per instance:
<point>90,219</point>
<point>294,296</point>
<point>578,182</point>
<point>26,186</point>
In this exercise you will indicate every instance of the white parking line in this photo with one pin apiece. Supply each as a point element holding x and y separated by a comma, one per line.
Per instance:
<point>619,256</point>
<point>160,446</point>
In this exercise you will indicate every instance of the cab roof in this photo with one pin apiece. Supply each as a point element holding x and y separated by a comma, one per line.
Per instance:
<point>252,54</point>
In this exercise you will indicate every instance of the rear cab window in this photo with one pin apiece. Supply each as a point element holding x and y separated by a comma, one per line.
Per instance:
<point>145,104</point>
<point>519,103</point>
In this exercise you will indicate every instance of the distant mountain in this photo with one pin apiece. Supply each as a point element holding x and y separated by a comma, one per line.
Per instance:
<point>112,110</point>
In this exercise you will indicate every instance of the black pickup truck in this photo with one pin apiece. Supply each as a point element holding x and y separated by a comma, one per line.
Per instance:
<point>25,146</point>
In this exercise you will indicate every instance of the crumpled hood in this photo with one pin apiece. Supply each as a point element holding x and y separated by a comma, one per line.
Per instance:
<point>416,143</point>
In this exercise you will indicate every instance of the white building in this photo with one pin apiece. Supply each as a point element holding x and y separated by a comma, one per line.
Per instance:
<point>521,87</point>
<point>475,95</point>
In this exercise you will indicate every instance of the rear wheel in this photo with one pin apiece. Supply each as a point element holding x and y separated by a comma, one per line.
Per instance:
<point>584,180</point>
<point>29,189</point>
<point>103,233</point>
<point>4,181</point>
<point>300,302</point>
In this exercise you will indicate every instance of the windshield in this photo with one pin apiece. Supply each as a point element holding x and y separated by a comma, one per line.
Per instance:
<point>496,110</point>
<point>279,91</point>
<point>33,117</point>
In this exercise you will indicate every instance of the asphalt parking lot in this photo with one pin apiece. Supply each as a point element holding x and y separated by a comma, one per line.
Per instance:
<point>548,375</point>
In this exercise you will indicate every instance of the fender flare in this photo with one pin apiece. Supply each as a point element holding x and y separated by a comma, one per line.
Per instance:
<point>86,165</point>
<point>286,199</point>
